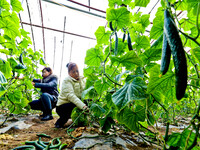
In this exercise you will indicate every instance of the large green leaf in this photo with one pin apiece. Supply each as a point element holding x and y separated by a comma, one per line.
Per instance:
<point>142,42</point>
<point>5,51</point>
<point>196,53</point>
<point>102,36</point>
<point>4,4</point>
<point>15,96</point>
<point>97,109</point>
<point>136,90</point>
<point>158,22</point>
<point>128,60</point>
<point>163,83</point>
<point>120,17</point>
<point>10,28</point>
<point>6,69</point>
<point>109,102</point>
<point>186,24</point>
<point>15,19</point>
<point>24,102</point>
<point>85,92</point>
<point>179,139</point>
<point>94,57</point>
<point>144,20</point>
<point>140,112</point>
<point>16,5</point>
<point>107,121</point>
<point>142,3</point>
<point>101,86</point>
<point>131,120</point>
<point>151,54</point>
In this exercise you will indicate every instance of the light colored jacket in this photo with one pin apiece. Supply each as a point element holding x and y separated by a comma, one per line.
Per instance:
<point>71,92</point>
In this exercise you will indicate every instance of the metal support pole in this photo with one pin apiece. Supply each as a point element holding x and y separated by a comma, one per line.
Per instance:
<point>62,50</point>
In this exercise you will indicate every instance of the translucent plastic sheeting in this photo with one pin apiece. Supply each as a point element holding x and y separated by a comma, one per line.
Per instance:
<point>79,30</point>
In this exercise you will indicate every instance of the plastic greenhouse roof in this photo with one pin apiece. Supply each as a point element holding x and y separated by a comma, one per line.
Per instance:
<point>64,29</point>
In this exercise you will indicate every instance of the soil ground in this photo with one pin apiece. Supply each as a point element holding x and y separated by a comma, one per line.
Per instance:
<point>16,137</point>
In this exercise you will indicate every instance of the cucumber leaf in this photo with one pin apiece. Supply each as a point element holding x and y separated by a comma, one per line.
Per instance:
<point>94,57</point>
<point>128,60</point>
<point>107,121</point>
<point>196,53</point>
<point>120,17</point>
<point>16,5</point>
<point>151,54</point>
<point>163,83</point>
<point>102,36</point>
<point>142,3</point>
<point>136,90</point>
<point>4,4</point>
<point>101,86</point>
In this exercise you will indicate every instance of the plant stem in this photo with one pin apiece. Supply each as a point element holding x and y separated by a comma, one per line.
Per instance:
<point>195,65</point>
<point>160,104</point>
<point>187,36</point>
<point>197,22</point>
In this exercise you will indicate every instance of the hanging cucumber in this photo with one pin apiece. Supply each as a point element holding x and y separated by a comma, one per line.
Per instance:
<point>111,27</point>
<point>116,44</point>
<point>129,42</point>
<point>21,59</point>
<point>178,54</point>
<point>166,55</point>
<point>124,35</point>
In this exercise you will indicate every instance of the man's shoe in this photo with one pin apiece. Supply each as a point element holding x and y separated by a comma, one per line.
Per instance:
<point>47,117</point>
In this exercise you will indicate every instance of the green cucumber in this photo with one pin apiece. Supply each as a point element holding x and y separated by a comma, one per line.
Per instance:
<point>124,35</point>
<point>43,135</point>
<point>111,27</point>
<point>25,147</point>
<point>21,59</point>
<point>166,56</point>
<point>116,44</point>
<point>57,141</point>
<point>62,146</point>
<point>129,42</point>
<point>30,142</point>
<point>178,54</point>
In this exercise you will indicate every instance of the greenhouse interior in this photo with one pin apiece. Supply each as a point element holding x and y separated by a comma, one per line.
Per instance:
<point>100,74</point>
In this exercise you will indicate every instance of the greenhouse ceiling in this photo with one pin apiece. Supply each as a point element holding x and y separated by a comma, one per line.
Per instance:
<point>64,29</point>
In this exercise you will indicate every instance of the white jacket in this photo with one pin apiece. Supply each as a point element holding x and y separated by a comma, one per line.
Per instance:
<point>71,92</point>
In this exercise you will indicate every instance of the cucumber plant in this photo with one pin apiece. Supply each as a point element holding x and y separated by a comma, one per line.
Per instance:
<point>127,86</point>
<point>17,58</point>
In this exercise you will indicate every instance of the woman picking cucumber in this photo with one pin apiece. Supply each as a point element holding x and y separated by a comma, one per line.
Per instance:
<point>70,95</point>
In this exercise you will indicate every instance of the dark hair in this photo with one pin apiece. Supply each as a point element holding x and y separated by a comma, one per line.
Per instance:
<point>48,69</point>
<point>70,66</point>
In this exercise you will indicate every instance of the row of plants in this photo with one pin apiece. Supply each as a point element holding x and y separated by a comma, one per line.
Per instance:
<point>125,78</point>
<point>16,59</point>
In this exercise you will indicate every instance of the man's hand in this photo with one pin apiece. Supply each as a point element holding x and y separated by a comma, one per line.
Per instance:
<point>33,83</point>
